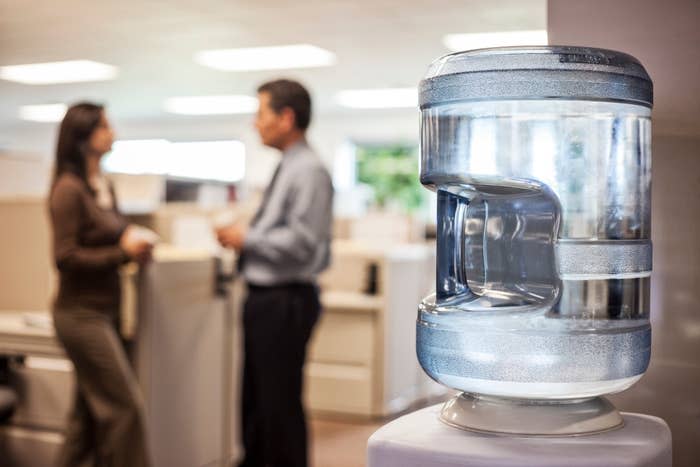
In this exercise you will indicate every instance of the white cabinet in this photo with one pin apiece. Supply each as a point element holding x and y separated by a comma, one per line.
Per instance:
<point>184,362</point>
<point>362,358</point>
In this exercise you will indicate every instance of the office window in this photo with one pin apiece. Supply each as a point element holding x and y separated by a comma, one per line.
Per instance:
<point>222,161</point>
<point>392,173</point>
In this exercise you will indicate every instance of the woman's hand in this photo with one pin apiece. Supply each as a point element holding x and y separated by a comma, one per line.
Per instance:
<point>137,248</point>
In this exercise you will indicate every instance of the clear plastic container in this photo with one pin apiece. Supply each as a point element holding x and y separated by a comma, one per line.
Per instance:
<point>541,161</point>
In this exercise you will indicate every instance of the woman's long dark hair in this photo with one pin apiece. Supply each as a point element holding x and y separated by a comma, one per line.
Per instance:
<point>77,126</point>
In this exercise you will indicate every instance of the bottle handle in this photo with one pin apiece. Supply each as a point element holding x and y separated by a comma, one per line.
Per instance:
<point>520,272</point>
<point>461,247</point>
<point>452,281</point>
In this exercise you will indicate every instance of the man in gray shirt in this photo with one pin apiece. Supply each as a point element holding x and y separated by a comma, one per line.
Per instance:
<point>280,255</point>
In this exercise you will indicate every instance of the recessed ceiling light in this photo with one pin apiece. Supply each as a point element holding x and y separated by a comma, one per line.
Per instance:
<point>266,58</point>
<point>459,42</point>
<point>378,98</point>
<point>43,113</point>
<point>211,105</point>
<point>72,71</point>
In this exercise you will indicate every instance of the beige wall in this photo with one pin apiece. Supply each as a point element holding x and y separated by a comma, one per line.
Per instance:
<point>26,269</point>
<point>23,174</point>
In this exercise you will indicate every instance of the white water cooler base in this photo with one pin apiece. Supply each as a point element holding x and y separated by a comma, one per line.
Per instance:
<point>419,439</point>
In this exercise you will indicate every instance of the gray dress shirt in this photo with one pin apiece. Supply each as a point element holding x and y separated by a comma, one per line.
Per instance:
<point>289,238</point>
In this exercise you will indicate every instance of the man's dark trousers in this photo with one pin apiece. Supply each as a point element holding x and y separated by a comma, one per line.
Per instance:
<point>277,324</point>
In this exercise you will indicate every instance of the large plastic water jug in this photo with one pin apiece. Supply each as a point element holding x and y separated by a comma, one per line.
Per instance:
<point>541,160</point>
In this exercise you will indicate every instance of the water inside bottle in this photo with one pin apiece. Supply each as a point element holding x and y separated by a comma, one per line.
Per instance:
<point>504,322</point>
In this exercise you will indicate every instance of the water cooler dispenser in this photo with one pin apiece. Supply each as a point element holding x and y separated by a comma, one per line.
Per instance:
<point>541,160</point>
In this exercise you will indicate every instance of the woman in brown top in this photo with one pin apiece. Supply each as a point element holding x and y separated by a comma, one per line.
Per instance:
<point>91,240</point>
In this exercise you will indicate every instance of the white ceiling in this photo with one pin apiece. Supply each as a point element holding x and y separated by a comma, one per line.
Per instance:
<point>378,43</point>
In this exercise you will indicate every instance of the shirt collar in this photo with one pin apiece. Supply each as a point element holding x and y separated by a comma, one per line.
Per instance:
<point>296,147</point>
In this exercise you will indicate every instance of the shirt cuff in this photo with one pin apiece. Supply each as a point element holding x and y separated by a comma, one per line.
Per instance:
<point>252,239</point>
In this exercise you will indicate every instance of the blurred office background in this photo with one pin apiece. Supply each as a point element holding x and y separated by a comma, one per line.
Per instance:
<point>187,156</point>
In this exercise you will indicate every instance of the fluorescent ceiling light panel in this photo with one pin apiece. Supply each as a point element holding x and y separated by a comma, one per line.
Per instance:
<point>72,71</point>
<point>266,58</point>
<point>378,98</point>
<point>43,113</point>
<point>482,40</point>
<point>211,105</point>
